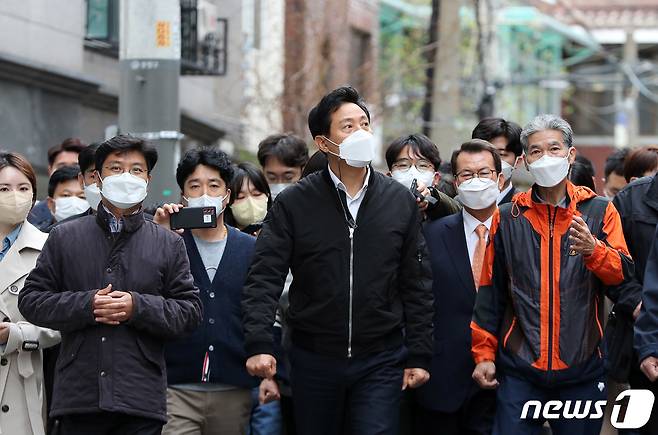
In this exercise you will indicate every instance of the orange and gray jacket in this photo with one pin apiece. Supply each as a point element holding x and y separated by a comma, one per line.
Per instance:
<point>539,309</point>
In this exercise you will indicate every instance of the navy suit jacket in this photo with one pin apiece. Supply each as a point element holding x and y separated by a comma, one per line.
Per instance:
<point>508,197</point>
<point>450,381</point>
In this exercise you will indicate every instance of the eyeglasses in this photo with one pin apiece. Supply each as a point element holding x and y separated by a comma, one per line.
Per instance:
<point>466,175</point>
<point>421,165</point>
<point>118,170</point>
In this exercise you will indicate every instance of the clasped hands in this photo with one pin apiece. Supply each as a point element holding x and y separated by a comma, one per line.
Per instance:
<point>112,307</point>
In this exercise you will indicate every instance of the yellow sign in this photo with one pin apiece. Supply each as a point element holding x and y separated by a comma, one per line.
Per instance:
<point>163,34</point>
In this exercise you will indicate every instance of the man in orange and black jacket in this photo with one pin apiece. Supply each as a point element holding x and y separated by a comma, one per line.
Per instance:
<point>555,252</point>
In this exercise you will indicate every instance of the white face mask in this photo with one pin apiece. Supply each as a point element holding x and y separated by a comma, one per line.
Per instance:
<point>208,201</point>
<point>549,171</point>
<point>507,170</point>
<point>357,149</point>
<point>69,206</point>
<point>93,195</point>
<point>276,188</point>
<point>406,177</point>
<point>478,193</point>
<point>124,191</point>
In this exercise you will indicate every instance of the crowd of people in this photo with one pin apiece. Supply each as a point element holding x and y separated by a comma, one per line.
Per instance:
<point>434,297</point>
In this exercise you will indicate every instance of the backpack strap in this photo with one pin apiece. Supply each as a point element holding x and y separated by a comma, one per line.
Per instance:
<point>593,212</point>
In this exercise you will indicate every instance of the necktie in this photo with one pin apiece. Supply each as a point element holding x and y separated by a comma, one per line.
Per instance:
<point>478,255</point>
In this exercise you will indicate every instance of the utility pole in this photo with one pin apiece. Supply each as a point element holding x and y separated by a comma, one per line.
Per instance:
<point>149,62</point>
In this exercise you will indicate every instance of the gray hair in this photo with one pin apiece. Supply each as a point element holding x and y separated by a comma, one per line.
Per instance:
<point>547,122</point>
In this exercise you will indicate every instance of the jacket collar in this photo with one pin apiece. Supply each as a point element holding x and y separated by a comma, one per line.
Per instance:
<point>575,195</point>
<point>455,243</point>
<point>651,198</point>
<point>14,264</point>
<point>29,237</point>
<point>327,177</point>
<point>131,223</point>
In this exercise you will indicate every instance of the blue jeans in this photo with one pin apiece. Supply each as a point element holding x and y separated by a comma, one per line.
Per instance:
<point>265,419</point>
<point>340,396</point>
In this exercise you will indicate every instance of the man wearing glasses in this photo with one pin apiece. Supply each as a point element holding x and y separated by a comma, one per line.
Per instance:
<point>117,287</point>
<point>451,400</point>
<point>416,157</point>
<point>553,254</point>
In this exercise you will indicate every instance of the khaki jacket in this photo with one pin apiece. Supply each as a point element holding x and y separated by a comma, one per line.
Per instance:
<point>22,407</point>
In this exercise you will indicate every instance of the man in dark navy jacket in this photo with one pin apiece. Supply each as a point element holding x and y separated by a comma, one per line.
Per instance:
<point>208,384</point>
<point>117,287</point>
<point>451,402</point>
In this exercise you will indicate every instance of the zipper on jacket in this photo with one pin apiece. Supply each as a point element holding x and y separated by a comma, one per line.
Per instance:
<point>551,228</point>
<point>351,226</point>
<point>349,324</point>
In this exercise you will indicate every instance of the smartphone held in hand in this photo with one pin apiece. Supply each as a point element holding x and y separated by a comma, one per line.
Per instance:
<point>194,217</point>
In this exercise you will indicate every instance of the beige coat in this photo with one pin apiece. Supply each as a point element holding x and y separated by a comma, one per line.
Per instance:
<point>21,372</point>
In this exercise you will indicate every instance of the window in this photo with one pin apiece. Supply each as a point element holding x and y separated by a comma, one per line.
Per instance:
<point>103,24</point>
<point>203,38</point>
<point>203,34</point>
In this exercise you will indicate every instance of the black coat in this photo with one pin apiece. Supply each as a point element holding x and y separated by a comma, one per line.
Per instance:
<point>637,205</point>
<point>112,368</point>
<point>306,230</point>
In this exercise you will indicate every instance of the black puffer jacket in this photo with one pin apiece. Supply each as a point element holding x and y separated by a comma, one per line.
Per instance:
<point>112,368</point>
<point>355,286</point>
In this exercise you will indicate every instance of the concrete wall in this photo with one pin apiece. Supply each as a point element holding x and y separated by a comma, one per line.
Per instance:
<point>51,33</point>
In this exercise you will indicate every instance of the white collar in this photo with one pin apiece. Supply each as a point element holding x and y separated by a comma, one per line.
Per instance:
<point>471,222</point>
<point>339,184</point>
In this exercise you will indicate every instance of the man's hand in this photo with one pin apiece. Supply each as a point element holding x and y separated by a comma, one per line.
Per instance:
<point>263,366</point>
<point>414,378</point>
<point>582,241</point>
<point>425,191</point>
<point>268,391</point>
<point>113,308</point>
<point>4,332</point>
<point>485,375</point>
<point>163,214</point>
<point>650,368</point>
<point>101,298</point>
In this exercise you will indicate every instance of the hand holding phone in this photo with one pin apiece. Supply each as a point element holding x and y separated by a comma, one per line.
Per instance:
<point>189,218</point>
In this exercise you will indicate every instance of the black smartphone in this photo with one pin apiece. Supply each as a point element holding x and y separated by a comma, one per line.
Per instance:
<point>414,189</point>
<point>194,217</point>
